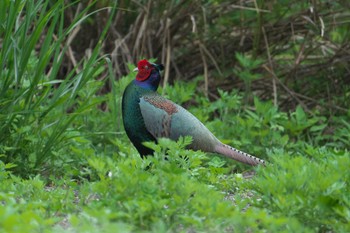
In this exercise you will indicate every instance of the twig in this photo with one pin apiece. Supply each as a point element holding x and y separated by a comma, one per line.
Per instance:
<point>291,93</point>
<point>137,51</point>
<point>205,65</point>
<point>320,103</point>
<point>168,54</point>
<point>271,67</point>
<point>249,8</point>
<point>211,58</point>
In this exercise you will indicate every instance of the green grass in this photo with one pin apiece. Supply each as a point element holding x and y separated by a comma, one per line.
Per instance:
<point>66,164</point>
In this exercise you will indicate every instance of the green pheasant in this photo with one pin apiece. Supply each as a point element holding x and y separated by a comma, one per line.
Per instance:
<point>148,116</point>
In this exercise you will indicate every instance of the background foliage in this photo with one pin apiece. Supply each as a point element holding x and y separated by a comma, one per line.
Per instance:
<point>268,77</point>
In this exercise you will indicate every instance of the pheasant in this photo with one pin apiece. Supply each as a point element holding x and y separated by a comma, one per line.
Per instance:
<point>148,116</point>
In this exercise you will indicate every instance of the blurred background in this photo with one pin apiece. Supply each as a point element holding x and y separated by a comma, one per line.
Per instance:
<point>294,53</point>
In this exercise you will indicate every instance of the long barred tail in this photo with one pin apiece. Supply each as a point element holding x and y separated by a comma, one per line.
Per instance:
<point>238,155</point>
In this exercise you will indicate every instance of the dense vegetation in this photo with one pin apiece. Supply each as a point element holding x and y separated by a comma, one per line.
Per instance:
<point>268,77</point>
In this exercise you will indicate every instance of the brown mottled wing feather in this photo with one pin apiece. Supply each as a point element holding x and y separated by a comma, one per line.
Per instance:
<point>157,113</point>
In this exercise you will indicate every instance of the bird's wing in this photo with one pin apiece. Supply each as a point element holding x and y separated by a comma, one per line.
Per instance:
<point>164,118</point>
<point>157,113</point>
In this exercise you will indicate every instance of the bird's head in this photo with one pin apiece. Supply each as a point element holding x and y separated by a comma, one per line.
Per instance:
<point>148,74</point>
<point>144,70</point>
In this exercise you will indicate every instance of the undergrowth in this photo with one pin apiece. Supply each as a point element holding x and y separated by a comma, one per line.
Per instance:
<point>99,182</point>
<point>66,164</point>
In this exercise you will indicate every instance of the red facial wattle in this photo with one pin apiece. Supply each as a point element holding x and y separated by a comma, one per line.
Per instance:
<point>144,70</point>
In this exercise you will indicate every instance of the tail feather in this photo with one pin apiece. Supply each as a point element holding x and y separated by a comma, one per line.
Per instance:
<point>238,155</point>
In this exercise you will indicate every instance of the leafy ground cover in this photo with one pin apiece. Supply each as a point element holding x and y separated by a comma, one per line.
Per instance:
<point>66,164</point>
<point>99,183</point>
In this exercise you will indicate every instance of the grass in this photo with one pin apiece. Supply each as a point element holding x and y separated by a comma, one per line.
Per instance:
<point>66,164</point>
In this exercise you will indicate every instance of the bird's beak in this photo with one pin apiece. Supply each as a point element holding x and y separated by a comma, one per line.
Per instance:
<point>136,69</point>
